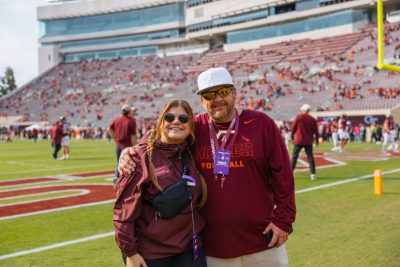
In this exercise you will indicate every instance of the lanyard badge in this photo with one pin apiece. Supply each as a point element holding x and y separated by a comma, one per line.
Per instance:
<point>222,161</point>
<point>222,156</point>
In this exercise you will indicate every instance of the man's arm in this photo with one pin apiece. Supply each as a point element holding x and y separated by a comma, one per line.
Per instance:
<point>133,139</point>
<point>316,133</point>
<point>282,182</point>
<point>110,132</point>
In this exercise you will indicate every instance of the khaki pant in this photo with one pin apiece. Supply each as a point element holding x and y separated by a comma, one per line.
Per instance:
<point>275,257</point>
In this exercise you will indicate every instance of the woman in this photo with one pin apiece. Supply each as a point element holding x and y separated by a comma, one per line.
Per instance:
<point>162,160</point>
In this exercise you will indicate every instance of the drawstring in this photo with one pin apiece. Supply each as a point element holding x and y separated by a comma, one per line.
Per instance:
<point>194,236</point>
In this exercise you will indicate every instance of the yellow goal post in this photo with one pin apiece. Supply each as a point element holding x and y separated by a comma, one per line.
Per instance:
<point>381,65</point>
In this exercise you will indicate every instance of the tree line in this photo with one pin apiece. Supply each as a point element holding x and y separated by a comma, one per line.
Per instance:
<point>7,82</point>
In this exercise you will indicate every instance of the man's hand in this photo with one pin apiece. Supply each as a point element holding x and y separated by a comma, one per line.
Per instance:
<point>135,261</point>
<point>126,166</point>
<point>279,236</point>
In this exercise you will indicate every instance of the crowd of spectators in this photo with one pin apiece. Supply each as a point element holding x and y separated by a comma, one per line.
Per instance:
<point>91,92</point>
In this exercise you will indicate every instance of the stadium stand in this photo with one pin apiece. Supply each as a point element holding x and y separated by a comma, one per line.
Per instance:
<point>332,73</point>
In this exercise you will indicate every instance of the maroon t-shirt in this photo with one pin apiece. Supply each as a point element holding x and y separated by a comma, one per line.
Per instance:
<point>304,129</point>
<point>260,177</point>
<point>123,127</point>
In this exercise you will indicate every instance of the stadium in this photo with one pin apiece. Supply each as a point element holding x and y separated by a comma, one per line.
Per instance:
<point>95,56</point>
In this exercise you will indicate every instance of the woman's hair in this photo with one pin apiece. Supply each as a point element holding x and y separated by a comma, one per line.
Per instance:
<point>155,134</point>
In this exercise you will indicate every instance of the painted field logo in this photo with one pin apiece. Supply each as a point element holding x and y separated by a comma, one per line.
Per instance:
<point>321,162</point>
<point>28,201</point>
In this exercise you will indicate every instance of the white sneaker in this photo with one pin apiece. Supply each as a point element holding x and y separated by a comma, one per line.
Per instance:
<point>67,156</point>
<point>314,177</point>
<point>63,157</point>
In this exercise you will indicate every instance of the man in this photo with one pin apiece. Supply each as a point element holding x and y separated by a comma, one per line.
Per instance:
<point>123,130</point>
<point>304,131</point>
<point>65,138</point>
<point>344,131</point>
<point>389,133</point>
<point>333,127</point>
<point>56,136</point>
<point>242,156</point>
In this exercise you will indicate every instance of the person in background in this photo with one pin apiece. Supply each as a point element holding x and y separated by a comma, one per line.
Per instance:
<point>389,133</point>
<point>123,130</point>
<point>304,132</point>
<point>334,133</point>
<point>344,126</point>
<point>56,136</point>
<point>65,138</point>
<point>161,159</point>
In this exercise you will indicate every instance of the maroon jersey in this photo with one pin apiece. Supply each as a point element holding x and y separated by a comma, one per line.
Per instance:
<point>342,123</point>
<point>304,128</point>
<point>260,177</point>
<point>123,127</point>
<point>388,125</point>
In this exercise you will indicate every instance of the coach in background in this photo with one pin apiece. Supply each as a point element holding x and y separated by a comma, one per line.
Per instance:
<point>304,130</point>
<point>123,130</point>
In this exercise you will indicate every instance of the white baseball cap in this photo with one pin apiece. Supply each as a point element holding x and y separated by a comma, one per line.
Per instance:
<point>305,107</point>
<point>213,77</point>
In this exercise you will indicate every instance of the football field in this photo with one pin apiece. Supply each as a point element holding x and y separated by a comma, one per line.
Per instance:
<point>59,213</point>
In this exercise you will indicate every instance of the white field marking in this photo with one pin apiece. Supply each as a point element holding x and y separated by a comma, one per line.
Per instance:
<point>57,245</point>
<point>342,182</point>
<point>337,164</point>
<point>58,209</point>
<point>55,169</point>
<point>53,185</point>
<point>77,192</point>
<point>50,183</point>
<point>93,237</point>
<point>59,177</point>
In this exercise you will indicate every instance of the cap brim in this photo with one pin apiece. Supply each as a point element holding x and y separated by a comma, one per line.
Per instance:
<point>212,87</point>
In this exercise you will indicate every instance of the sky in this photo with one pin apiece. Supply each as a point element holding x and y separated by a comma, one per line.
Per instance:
<point>19,31</point>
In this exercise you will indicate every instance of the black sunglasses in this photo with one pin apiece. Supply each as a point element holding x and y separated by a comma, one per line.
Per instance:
<point>169,117</point>
<point>211,95</point>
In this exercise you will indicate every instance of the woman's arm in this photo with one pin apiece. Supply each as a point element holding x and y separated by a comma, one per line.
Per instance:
<point>128,208</point>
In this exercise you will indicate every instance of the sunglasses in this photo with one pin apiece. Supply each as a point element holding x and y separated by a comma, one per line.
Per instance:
<point>169,117</point>
<point>211,95</point>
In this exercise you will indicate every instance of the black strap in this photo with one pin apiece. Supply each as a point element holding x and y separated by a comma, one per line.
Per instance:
<point>184,160</point>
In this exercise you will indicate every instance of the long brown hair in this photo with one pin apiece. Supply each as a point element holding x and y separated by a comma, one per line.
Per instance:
<point>155,134</point>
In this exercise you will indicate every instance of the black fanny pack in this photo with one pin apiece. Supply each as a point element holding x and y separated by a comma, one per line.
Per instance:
<point>174,198</point>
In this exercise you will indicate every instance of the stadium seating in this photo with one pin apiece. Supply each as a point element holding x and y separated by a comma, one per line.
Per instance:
<point>335,73</point>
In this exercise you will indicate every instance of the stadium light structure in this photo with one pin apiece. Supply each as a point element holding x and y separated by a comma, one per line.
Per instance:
<point>381,65</point>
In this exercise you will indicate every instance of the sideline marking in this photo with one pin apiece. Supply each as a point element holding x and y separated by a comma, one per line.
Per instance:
<point>342,182</point>
<point>57,245</point>
<point>93,237</point>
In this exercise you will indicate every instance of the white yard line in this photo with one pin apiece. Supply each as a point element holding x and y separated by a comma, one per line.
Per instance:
<point>56,169</point>
<point>342,182</point>
<point>93,237</point>
<point>57,245</point>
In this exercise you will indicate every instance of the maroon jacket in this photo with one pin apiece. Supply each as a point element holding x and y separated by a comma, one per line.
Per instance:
<point>123,127</point>
<point>304,130</point>
<point>260,177</point>
<point>137,229</point>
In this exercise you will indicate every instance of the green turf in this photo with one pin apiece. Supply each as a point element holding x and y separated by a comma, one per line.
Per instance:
<point>343,225</point>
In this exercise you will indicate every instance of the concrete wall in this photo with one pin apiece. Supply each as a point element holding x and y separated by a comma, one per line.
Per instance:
<point>48,57</point>
<point>87,8</point>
